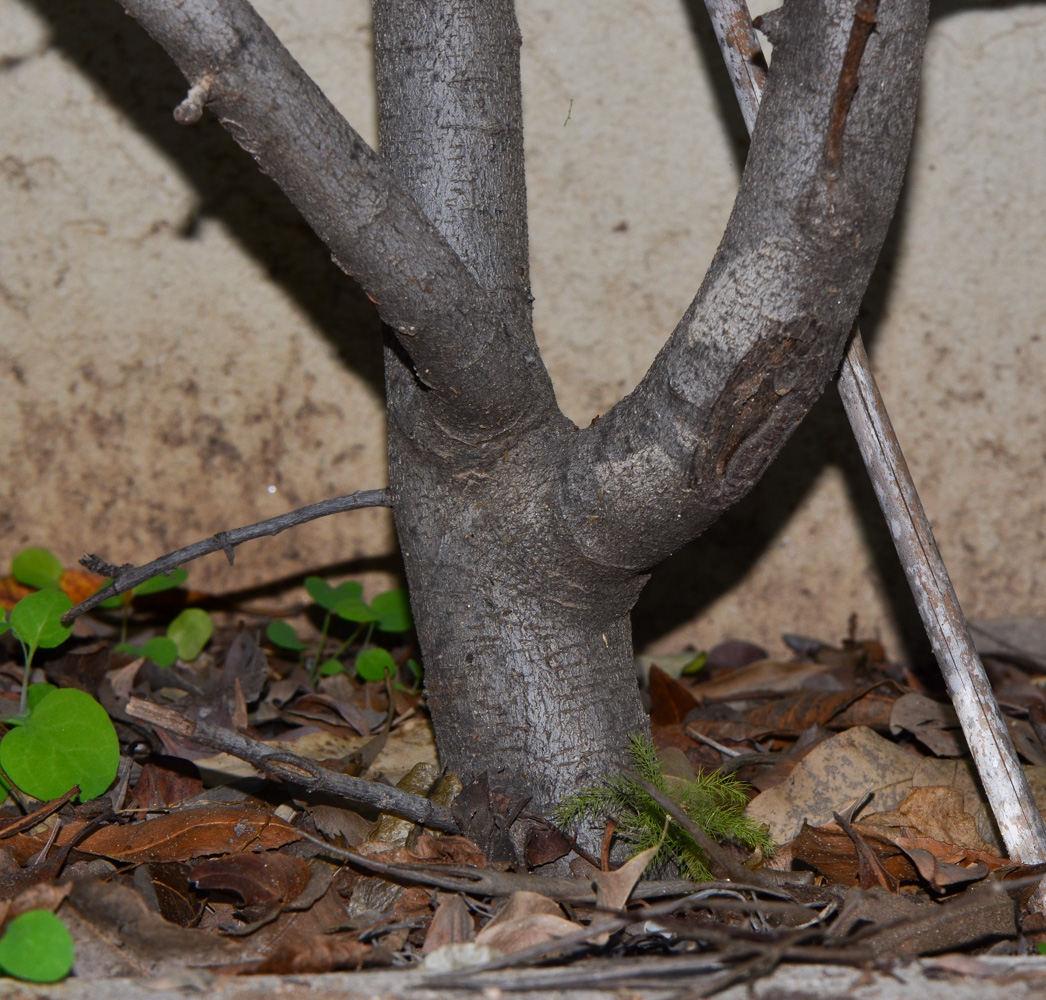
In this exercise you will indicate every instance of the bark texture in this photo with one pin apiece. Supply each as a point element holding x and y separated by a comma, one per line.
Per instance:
<point>527,541</point>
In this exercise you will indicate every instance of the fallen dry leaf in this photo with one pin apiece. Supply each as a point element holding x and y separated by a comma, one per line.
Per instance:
<point>761,676</point>
<point>831,778</point>
<point>191,833</point>
<point>263,881</point>
<point>451,924</point>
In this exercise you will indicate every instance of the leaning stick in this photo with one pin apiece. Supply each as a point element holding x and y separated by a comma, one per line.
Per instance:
<point>1019,820</point>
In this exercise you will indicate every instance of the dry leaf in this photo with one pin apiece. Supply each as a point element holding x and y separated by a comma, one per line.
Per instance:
<point>831,778</point>
<point>191,833</point>
<point>451,924</point>
<point>263,881</point>
<point>761,676</point>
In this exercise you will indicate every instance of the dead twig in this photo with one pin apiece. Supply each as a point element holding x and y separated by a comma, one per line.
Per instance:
<point>282,765</point>
<point>127,576</point>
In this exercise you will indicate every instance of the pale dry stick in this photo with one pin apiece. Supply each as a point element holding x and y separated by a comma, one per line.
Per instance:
<point>1019,820</point>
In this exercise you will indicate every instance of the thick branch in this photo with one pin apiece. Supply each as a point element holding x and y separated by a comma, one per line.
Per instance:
<point>454,334</point>
<point>450,127</point>
<point>1019,820</point>
<point>127,576</point>
<point>769,324</point>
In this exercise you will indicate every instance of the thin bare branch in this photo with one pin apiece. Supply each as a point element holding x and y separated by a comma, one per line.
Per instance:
<point>453,332</point>
<point>127,576</point>
<point>284,766</point>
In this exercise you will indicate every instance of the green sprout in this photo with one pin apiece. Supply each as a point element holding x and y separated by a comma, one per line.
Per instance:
<point>388,612</point>
<point>186,636</point>
<point>59,738</point>
<point>713,800</point>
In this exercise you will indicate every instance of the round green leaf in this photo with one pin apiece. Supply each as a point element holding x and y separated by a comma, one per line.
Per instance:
<point>374,664</point>
<point>4,623</point>
<point>37,947</point>
<point>36,568</point>
<point>66,740</point>
<point>393,611</point>
<point>35,619</point>
<point>281,634</point>
<point>161,650</point>
<point>328,597</point>
<point>354,609</point>
<point>331,667</point>
<point>190,632</point>
<point>165,581</point>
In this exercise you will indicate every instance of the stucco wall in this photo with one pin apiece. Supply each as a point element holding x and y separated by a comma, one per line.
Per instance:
<point>177,354</point>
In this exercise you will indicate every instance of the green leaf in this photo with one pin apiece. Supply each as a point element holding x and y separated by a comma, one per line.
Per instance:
<point>332,667</point>
<point>374,664</point>
<point>36,947</point>
<point>36,620</point>
<point>4,623</point>
<point>66,740</point>
<point>165,581</point>
<point>355,609</point>
<point>37,693</point>
<point>190,632</point>
<point>159,649</point>
<point>328,597</point>
<point>282,635</point>
<point>38,568</point>
<point>393,611</point>
<point>695,666</point>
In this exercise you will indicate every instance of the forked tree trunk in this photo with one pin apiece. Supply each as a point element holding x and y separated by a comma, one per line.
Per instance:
<point>527,540</point>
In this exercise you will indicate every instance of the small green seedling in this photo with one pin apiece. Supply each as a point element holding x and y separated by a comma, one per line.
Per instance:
<point>65,739</point>
<point>59,738</point>
<point>714,801</point>
<point>186,636</point>
<point>36,622</point>
<point>388,612</point>
<point>154,585</point>
<point>36,947</point>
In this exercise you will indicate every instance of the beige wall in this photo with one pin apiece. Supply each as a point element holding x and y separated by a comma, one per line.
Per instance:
<point>178,356</point>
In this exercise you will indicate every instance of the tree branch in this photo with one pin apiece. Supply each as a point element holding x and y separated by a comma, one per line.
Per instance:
<point>284,766</point>
<point>1019,820</point>
<point>454,333</point>
<point>450,127</point>
<point>770,321</point>
<point>127,576</point>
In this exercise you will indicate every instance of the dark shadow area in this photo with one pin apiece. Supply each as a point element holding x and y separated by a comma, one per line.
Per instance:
<point>140,80</point>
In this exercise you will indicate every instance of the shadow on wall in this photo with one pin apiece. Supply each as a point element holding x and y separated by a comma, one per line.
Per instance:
<point>140,80</point>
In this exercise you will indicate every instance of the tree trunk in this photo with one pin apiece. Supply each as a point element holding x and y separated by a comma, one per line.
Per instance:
<point>526,540</point>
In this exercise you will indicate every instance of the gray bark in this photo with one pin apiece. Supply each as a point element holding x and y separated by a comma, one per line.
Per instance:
<point>526,541</point>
